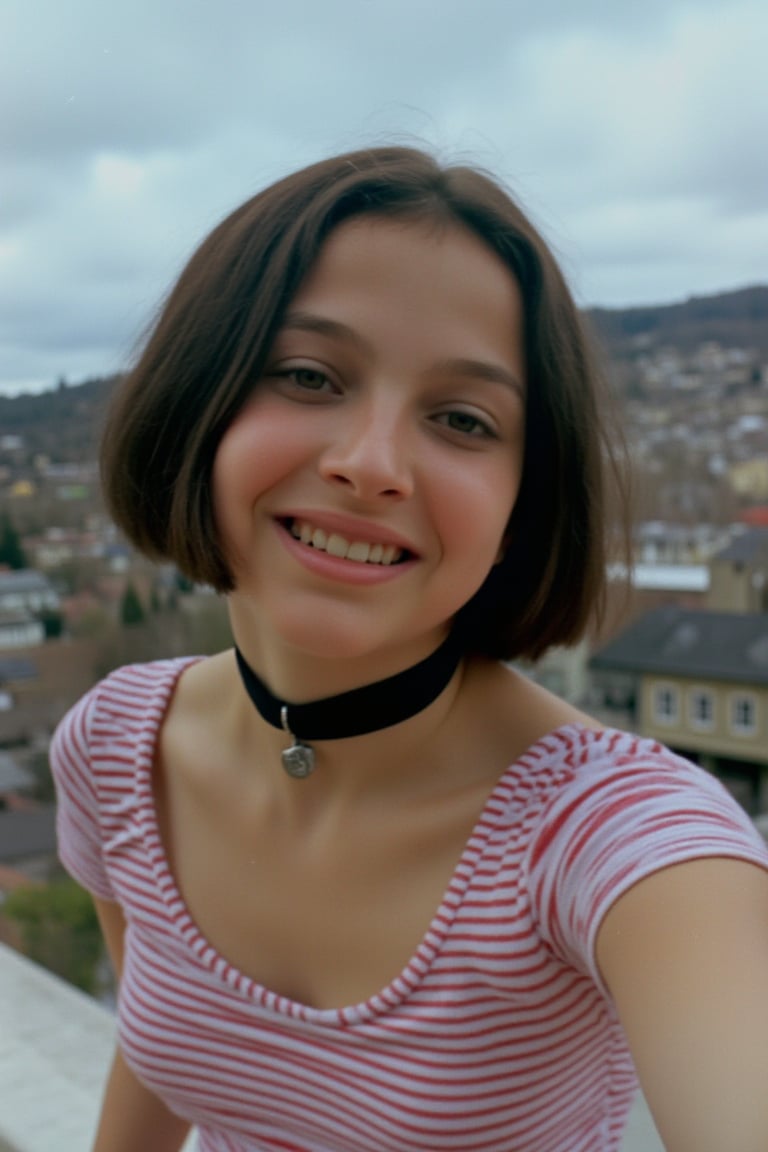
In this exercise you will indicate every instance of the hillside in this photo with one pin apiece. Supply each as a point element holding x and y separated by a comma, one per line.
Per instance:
<point>733,319</point>
<point>63,424</point>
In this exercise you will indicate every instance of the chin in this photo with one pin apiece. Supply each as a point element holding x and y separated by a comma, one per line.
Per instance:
<point>341,636</point>
<point>320,640</point>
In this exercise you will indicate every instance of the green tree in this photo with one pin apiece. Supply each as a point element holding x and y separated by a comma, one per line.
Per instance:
<point>11,552</point>
<point>59,929</point>
<point>131,608</point>
<point>52,621</point>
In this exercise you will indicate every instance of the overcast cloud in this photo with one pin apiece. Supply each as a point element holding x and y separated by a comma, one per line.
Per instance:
<point>634,133</point>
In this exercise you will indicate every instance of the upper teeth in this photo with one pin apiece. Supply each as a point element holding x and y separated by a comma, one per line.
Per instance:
<point>337,545</point>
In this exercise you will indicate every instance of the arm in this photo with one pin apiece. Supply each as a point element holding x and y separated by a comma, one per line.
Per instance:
<point>684,954</point>
<point>131,1116</point>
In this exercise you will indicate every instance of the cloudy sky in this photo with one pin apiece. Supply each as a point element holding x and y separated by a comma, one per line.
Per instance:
<point>634,132</point>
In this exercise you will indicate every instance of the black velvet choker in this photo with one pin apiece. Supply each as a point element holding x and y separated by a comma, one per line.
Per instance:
<point>354,713</point>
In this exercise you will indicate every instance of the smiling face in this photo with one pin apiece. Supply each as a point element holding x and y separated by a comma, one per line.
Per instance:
<point>363,493</point>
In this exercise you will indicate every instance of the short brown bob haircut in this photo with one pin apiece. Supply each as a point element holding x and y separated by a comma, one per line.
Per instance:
<point>210,342</point>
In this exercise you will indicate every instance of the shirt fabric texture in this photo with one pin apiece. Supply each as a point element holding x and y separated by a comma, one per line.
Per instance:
<point>498,1034</point>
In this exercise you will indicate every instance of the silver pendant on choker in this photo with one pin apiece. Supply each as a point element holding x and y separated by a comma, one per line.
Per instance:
<point>299,759</point>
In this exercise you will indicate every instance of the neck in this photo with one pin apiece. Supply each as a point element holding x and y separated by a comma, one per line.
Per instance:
<point>408,762</point>
<point>366,709</point>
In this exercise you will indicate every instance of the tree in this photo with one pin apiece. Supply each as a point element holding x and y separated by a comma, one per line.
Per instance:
<point>59,929</point>
<point>131,608</point>
<point>11,552</point>
<point>52,621</point>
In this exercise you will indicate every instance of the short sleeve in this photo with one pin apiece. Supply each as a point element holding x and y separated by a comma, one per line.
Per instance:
<point>619,819</point>
<point>78,822</point>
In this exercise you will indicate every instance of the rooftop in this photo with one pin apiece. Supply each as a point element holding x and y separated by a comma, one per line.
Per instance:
<point>16,668</point>
<point>747,548</point>
<point>55,1050</point>
<point>663,577</point>
<point>24,580</point>
<point>28,832</point>
<point>672,641</point>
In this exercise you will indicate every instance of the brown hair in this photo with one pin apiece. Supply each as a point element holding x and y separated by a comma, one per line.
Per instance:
<point>212,337</point>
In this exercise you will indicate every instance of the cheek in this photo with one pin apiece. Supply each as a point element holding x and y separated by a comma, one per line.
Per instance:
<point>250,459</point>
<point>476,509</point>
<point>254,454</point>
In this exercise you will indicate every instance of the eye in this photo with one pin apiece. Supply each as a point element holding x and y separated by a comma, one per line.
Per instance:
<point>465,423</point>
<point>308,379</point>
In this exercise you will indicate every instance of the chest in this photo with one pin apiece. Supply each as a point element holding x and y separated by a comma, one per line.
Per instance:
<point>443,1062</point>
<point>328,915</point>
<point>466,1051</point>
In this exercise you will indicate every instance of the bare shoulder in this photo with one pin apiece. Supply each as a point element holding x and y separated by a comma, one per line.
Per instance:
<point>522,710</point>
<point>196,716</point>
<point>203,688</point>
<point>203,683</point>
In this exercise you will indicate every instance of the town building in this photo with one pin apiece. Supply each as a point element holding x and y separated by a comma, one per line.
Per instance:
<point>696,681</point>
<point>739,574</point>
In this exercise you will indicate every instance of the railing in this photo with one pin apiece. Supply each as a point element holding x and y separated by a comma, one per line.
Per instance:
<point>55,1051</point>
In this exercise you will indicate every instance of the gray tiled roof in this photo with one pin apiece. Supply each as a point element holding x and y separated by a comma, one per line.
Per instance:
<point>27,833</point>
<point>747,548</point>
<point>675,641</point>
<point>16,668</point>
<point>24,580</point>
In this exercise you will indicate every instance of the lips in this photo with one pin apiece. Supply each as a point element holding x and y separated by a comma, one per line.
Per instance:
<point>335,544</point>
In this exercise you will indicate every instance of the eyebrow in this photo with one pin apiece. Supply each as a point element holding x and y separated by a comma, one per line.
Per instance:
<point>483,370</point>
<point>458,366</point>
<point>310,322</point>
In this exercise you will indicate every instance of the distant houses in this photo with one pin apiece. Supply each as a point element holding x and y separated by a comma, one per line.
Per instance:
<point>739,574</point>
<point>696,679</point>
<point>36,687</point>
<point>27,830</point>
<point>27,597</point>
<point>27,590</point>
<point>20,630</point>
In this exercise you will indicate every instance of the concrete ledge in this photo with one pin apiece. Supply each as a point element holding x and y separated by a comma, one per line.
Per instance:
<point>55,1051</point>
<point>56,1048</point>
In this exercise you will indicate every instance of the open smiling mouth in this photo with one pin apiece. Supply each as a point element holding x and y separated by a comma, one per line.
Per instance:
<point>360,551</point>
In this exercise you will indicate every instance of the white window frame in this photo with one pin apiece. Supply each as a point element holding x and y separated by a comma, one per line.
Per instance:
<point>734,701</point>
<point>697,696</point>
<point>670,718</point>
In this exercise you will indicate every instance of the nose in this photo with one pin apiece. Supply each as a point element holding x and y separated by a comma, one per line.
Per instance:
<point>369,454</point>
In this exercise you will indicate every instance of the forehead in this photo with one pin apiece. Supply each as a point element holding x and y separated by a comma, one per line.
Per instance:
<point>395,273</point>
<point>403,242</point>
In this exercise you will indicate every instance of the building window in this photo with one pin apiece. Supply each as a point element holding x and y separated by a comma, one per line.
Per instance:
<point>666,704</point>
<point>743,715</point>
<point>701,709</point>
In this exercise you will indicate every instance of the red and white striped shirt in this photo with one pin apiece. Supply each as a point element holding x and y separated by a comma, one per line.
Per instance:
<point>498,1035</point>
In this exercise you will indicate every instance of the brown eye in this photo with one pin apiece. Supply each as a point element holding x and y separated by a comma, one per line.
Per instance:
<point>309,378</point>
<point>464,423</point>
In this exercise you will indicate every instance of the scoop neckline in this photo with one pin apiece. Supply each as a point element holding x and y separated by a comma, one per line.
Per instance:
<point>420,961</point>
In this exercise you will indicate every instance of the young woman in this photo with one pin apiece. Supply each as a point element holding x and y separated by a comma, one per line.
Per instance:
<point>368,889</point>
